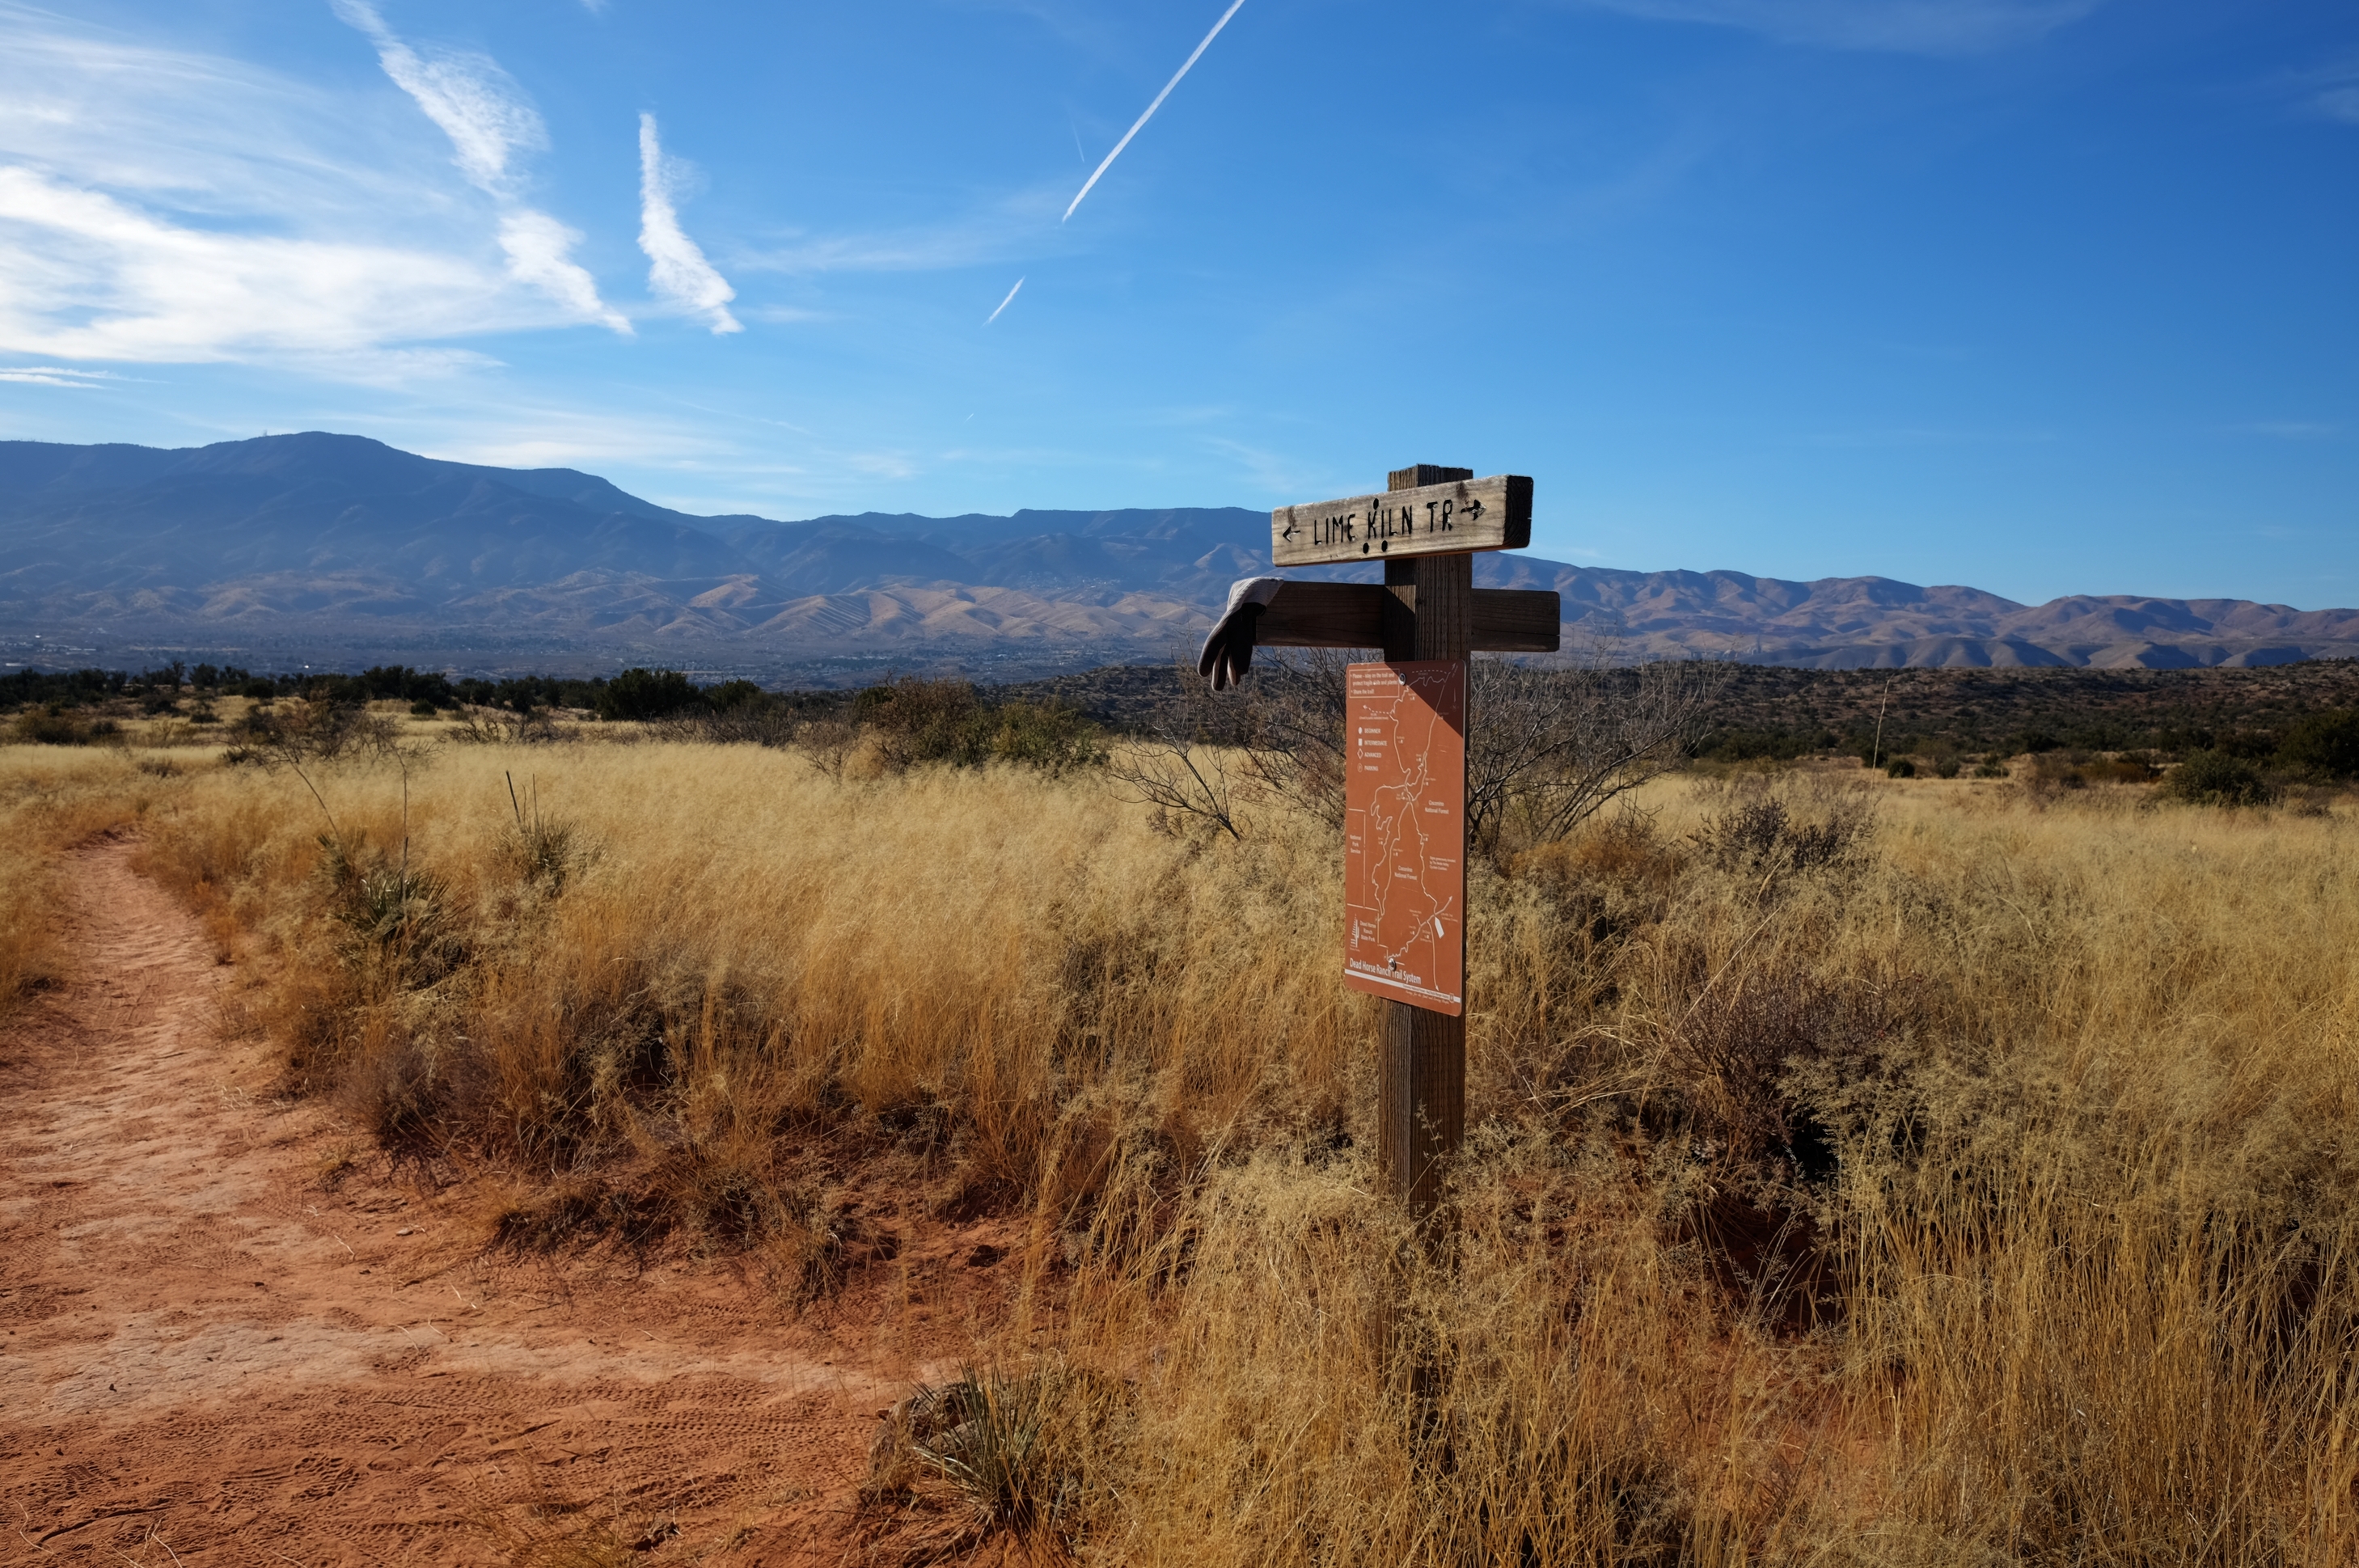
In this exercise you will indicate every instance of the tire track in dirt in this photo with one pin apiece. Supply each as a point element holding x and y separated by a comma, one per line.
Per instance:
<point>204,1346</point>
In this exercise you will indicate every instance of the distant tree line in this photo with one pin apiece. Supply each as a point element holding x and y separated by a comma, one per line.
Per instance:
<point>2302,718</point>
<point>634,694</point>
<point>905,721</point>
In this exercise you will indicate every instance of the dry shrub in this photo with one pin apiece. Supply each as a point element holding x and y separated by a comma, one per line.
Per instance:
<point>32,957</point>
<point>2217,779</point>
<point>2070,1376</point>
<point>1031,1452</point>
<point>1762,835</point>
<point>1285,1418</point>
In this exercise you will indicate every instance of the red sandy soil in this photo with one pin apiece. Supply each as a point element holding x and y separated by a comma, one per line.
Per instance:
<point>214,1350</point>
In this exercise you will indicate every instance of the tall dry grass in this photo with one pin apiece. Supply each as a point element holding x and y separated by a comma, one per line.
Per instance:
<point>1927,1173</point>
<point>50,800</point>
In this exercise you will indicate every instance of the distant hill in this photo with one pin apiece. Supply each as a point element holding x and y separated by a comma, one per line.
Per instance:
<point>342,545</point>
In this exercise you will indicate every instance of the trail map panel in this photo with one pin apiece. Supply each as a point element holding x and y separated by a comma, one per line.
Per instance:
<point>1405,832</point>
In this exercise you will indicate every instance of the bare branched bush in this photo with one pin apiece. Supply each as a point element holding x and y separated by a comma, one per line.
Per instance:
<point>1291,728</point>
<point>1761,837</point>
<point>296,731</point>
<point>1183,782</point>
<point>1546,747</point>
<point>480,725</point>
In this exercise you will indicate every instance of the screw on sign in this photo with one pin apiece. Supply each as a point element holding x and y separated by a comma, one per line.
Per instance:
<point>1405,792</point>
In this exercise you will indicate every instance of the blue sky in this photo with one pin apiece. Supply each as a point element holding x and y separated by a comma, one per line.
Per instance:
<point>2043,296</point>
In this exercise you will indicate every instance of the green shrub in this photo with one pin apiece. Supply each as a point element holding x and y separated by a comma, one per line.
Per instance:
<point>49,726</point>
<point>2051,771</point>
<point>948,721</point>
<point>2324,744</point>
<point>647,694</point>
<point>2216,778</point>
<point>1775,743</point>
<point>2118,770</point>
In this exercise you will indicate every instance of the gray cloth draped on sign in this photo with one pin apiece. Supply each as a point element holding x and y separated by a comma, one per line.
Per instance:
<point>1228,653</point>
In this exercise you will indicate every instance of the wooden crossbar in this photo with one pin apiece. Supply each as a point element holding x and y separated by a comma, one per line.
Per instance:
<point>1355,615</point>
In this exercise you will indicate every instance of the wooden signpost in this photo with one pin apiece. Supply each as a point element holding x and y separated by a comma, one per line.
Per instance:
<point>1406,790</point>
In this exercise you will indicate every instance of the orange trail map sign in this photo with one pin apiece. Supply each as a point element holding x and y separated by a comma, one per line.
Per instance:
<point>1405,832</point>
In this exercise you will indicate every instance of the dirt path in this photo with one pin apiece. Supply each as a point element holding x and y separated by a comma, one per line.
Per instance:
<point>210,1343</point>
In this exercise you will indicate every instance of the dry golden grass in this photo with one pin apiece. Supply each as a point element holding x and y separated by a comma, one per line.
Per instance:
<point>51,799</point>
<point>1979,1188</point>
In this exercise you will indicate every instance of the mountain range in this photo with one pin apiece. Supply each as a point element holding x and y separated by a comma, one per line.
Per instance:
<point>338,546</point>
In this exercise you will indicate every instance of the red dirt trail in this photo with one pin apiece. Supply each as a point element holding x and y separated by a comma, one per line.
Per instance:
<point>213,1352</point>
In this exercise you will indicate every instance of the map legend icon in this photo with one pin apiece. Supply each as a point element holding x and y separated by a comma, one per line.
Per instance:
<point>1405,832</point>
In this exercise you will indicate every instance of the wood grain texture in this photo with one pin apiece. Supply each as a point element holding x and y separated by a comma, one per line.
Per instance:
<point>1417,474</point>
<point>1421,1056</point>
<point>1444,606</point>
<point>1352,614</point>
<point>1518,620</point>
<point>1421,1101</point>
<point>1448,518</point>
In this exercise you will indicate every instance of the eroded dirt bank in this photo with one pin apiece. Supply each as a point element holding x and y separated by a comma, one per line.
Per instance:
<point>213,1341</point>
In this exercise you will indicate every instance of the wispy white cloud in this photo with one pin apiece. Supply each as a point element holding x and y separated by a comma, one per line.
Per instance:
<point>492,126</point>
<point>178,207</point>
<point>58,376</point>
<point>539,251</point>
<point>677,268</point>
<point>1897,27</point>
<point>91,277</point>
<point>787,315</point>
<point>1002,232</point>
<point>1004,303</point>
<point>206,134</point>
<point>1185,66</point>
<point>2335,92</point>
<point>1277,472</point>
<point>478,105</point>
<point>549,437</point>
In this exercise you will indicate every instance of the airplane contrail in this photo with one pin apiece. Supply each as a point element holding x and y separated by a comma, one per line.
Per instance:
<point>1004,303</point>
<point>1157,105</point>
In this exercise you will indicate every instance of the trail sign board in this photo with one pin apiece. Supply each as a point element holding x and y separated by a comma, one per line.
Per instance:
<point>1405,781</point>
<point>1448,518</point>
<point>1405,832</point>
